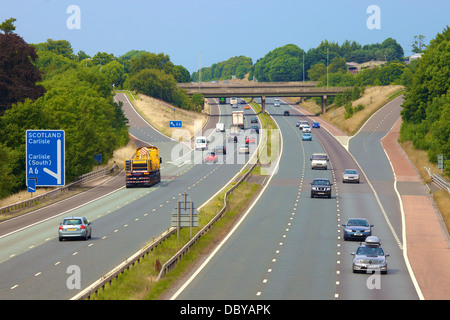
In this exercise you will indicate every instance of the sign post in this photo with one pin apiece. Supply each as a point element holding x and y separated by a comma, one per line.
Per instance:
<point>441,162</point>
<point>31,186</point>
<point>45,157</point>
<point>186,215</point>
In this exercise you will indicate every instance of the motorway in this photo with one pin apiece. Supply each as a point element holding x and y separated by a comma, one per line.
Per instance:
<point>289,246</point>
<point>293,249</point>
<point>35,265</point>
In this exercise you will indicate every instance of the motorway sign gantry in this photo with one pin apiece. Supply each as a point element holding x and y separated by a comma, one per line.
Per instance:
<point>45,157</point>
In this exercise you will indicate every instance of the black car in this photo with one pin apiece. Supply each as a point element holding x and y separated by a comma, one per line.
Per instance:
<point>253,120</point>
<point>286,112</point>
<point>321,187</point>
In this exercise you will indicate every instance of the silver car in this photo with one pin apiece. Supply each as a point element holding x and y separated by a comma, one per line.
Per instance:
<point>350,175</point>
<point>370,257</point>
<point>75,227</point>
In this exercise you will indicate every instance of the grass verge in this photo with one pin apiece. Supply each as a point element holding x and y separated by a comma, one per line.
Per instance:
<point>139,282</point>
<point>420,160</point>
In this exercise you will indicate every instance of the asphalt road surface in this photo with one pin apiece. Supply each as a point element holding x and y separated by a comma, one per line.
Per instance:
<point>35,265</point>
<point>290,246</point>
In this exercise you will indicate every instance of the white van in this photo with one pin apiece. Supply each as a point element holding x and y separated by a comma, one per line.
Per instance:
<point>220,127</point>
<point>201,143</point>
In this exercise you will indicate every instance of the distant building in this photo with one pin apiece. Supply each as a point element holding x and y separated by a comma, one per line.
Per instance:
<point>354,67</point>
<point>415,56</point>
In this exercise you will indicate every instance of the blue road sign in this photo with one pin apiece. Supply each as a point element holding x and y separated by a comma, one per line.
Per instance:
<point>45,157</point>
<point>176,123</point>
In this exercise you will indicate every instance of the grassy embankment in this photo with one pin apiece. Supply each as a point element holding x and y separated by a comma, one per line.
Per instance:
<point>139,282</point>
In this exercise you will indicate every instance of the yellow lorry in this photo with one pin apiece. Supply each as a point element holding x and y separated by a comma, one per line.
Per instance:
<point>143,169</point>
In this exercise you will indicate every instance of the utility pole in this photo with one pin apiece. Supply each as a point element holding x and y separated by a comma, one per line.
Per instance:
<point>327,68</point>
<point>199,68</point>
<point>303,66</point>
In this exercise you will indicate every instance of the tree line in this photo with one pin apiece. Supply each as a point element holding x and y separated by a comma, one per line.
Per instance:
<point>426,109</point>
<point>47,90</point>
<point>291,63</point>
<point>47,86</point>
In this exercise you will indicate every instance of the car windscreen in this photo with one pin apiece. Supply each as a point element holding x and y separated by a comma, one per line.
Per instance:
<point>370,251</point>
<point>321,182</point>
<point>357,223</point>
<point>319,157</point>
<point>351,171</point>
<point>72,222</point>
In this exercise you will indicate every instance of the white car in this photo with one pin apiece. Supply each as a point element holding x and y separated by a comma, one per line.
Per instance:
<point>306,129</point>
<point>220,127</point>
<point>302,124</point>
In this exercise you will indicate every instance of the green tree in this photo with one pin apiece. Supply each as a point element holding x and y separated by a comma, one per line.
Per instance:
<point>60,47</point>
<point>317,71</point>
<point>281,64</point>
<point>8,26</point>
<point>147,60</point>
<point>181,74</point>
<point>155,83</point>
<point>425,113</point>
<point>337,65</point>
<point>237,66</point>
<point>102,59</point>
<point>115,73</point>
<point>418,45</point>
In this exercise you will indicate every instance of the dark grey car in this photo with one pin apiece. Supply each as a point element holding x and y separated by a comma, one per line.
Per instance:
<point>75,227</point>
<point>357,228</point>
<point>321,187</point>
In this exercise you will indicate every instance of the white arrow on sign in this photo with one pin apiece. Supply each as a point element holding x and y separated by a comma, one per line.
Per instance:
<point>56,175</point>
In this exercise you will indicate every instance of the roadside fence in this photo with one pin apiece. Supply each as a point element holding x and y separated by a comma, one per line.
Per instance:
<point>29,203</point>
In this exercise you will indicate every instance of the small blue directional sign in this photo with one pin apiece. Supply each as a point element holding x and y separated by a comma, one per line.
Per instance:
<point>98,157</point>
<point>176,124</point>
<point>45,157</point>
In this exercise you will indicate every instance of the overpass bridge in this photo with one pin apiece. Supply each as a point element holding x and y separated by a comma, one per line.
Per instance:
<point>263,90</point>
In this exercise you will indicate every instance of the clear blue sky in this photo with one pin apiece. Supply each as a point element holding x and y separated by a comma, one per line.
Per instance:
<point>217,30</point>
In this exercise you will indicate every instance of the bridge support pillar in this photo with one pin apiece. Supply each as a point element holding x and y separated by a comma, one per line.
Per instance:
<point>263,104</point>
<point>324,104</point>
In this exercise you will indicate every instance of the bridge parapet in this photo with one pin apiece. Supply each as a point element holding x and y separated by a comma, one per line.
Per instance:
<point>279,89</point>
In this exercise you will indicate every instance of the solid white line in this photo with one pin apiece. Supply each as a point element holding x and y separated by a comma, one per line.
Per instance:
<point>405,250</point>
<point>59,214</point>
